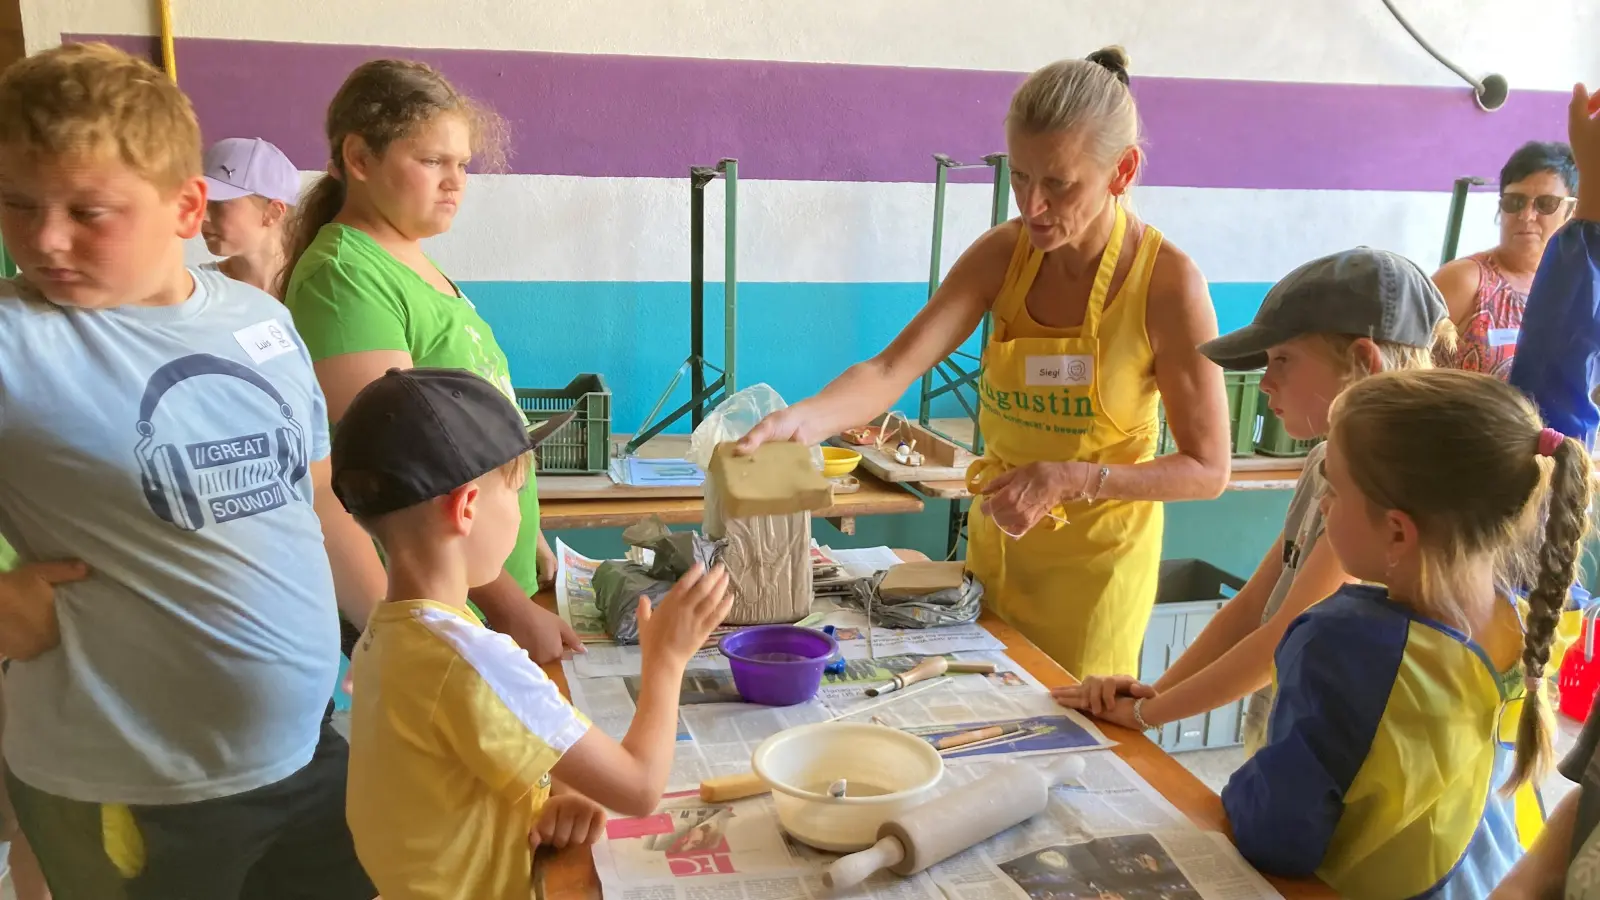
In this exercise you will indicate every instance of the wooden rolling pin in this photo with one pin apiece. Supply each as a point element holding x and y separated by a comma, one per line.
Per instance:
<point>941,828</point>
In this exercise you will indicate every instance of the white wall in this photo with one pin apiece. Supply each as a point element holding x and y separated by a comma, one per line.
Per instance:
<point>1539,44</point>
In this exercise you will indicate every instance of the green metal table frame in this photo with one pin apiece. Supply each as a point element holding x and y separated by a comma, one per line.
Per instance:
<point>1458,212</point>
<point>704,396</point>
<point>959,372</point>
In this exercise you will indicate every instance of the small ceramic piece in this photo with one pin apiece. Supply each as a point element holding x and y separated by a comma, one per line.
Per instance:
<point>907,455</point>
<point>863,435</point>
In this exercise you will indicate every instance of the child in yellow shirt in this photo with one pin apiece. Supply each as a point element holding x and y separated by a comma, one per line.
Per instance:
<point>463,755</point>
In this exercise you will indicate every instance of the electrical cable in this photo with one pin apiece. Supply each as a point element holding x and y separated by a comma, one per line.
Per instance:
<point>1490,93</point>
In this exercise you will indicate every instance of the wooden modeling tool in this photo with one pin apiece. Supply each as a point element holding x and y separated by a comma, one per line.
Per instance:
<point>731,787</point>
<point>976,736</point>
<point>931,667</point>
<point>941,828</point>
<point>725,788</point>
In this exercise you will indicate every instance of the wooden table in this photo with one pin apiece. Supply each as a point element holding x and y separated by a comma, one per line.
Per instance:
<point>595,501</point>
<point>1249,473</point>
<point>570,874</point>
<point>874,498</point>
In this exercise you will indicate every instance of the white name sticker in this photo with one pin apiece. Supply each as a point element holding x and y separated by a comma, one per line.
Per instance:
<point>1503,337</point>
<point>265,340</point>
<point>1060,370</point>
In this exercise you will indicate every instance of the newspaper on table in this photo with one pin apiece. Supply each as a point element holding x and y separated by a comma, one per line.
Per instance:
<point>1107,834</point>
<point>717,733</point>
<point>603,658</point>
<point>575,594</point>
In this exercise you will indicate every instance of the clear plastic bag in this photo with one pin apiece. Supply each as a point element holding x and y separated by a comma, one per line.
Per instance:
<point>734,419</point>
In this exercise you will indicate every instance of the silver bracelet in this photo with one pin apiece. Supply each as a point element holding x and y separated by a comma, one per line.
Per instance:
<point>1138,715</point>
<point>1105,472</point>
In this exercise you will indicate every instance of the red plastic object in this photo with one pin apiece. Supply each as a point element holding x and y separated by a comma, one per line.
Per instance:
<point>1579,679</point>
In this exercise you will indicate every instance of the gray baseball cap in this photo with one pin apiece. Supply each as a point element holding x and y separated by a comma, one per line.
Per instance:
<point>1372,293</point>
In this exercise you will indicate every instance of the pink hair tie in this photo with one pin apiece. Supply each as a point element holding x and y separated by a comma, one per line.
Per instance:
<point>1549,440</point>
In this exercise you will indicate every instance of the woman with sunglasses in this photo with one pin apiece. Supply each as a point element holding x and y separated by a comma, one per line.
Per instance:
<point>1486,292</point>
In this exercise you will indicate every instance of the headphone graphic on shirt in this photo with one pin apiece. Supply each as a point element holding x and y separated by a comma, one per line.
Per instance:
<point>163,474</point>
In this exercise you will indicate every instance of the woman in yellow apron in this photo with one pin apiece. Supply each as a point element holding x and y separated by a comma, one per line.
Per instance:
<point>1096,318</point>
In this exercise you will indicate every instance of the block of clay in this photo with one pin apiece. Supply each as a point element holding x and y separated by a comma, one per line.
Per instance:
<point>777,479</point>
<point>769,568</point>
<point>918,579</point>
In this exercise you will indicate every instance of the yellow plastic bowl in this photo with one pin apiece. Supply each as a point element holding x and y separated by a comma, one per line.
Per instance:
<point>837,461</point>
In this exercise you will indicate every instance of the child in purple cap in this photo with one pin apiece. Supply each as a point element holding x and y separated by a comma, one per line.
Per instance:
<point>251,187</point>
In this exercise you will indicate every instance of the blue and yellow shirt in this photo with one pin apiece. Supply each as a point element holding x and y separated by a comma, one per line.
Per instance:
<point>1384,754</point>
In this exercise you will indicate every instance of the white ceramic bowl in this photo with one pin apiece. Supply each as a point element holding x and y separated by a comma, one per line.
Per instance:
<point>892,770</point>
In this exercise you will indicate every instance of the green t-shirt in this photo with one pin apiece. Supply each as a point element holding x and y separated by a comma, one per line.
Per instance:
<point>348,295</point>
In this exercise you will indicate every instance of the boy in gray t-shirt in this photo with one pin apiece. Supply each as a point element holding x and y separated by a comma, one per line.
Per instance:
<point>172,629</point>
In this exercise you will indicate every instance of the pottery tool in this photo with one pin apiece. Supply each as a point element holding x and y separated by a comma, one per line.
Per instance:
<point>976,736</point>
<point>929,667</point>
<point>1013,736</point>
<point>724,788</point>
<point>911,841</point>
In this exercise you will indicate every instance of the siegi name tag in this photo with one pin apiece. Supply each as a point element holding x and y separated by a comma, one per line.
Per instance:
<point>265,340</point>
<point>1503,337</point>
<point>1046,371</point>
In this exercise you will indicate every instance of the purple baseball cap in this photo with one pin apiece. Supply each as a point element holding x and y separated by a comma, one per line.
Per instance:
<point>239,167</point>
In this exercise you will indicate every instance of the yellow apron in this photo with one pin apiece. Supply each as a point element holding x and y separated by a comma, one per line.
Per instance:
<point>1080,584</point>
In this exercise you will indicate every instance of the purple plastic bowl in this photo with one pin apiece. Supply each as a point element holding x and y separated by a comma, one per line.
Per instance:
<point>778,665</point>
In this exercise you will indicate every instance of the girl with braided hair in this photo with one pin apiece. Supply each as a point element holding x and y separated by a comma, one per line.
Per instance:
<point>1412,708</point>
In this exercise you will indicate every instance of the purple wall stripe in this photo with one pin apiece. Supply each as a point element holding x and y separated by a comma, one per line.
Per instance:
<point>597,115</point>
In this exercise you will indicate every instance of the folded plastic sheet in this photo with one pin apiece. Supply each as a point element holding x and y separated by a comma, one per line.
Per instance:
<point>618,584</point>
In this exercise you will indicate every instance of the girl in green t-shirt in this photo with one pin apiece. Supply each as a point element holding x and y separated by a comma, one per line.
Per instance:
<point>366,299</point>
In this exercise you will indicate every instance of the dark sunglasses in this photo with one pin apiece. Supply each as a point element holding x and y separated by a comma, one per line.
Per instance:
<point>1545,204</point>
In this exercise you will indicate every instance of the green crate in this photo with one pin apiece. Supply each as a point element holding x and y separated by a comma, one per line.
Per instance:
<point>582,446</point>
<point>1272,440</point>
<point>1244,405</point>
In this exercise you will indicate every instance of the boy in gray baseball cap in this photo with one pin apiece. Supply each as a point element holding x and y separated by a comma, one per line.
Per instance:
<point>1373,294</point>
<point>1326,324</point>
